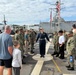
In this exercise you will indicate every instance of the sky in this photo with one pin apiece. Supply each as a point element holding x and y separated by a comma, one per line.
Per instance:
<point>34,11</point>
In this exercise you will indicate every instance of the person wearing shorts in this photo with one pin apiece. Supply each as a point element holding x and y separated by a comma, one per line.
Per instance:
<point>6,49</point>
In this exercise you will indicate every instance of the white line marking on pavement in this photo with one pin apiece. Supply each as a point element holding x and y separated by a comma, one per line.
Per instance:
<point>38,66</point>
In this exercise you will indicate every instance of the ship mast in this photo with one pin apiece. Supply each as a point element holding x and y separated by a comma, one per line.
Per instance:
<point>57,15</point>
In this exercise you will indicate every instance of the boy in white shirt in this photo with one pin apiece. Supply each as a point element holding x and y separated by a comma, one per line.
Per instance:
<point>17,61</point>
<point>61,44</point>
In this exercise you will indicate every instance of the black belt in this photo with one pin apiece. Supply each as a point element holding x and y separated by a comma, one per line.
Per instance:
<point>42,39</point>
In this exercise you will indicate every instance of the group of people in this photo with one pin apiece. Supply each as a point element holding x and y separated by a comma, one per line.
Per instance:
<point>65,42</point>
<point>13,49</point>
<point>26,39</point>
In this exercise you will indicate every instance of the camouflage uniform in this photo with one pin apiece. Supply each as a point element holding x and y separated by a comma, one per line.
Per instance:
<point>32,39</point>
<point>16,36</point>
<point>74,51</point>
<point>21,41</point>
<point>70,47</point>
<point>66,38</point>
<point>74,36</point>
<point>55,41</point>
<point>26,43</point>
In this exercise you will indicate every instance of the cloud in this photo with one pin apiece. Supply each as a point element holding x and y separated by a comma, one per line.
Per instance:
<point>33,11</point>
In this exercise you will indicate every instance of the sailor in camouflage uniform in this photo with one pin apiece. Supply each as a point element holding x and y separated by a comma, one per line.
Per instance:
<point>70,48</point>
<point>32,39</point>
<point>16,35</point>
<point>21,41</point>
<point>55,41</point>
<point>66,38</point>
<point>74,36</point>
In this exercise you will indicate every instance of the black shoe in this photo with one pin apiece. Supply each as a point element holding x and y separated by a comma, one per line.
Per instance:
<point>71,68</point>
<point>54,53</point>
<point>68,66</point>
<point>61,57</point>
<point>23,62</point>
<point>32,52</point>
<point>24,57</point>
<point>33,48</point>
<point>43,56</point>
<point>57,55</point>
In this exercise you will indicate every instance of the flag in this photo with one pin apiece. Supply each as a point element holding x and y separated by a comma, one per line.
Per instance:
<point>58,8</point>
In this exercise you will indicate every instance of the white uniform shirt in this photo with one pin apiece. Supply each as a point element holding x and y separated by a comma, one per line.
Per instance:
<point>61,39</point>
<point>17,61</point>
